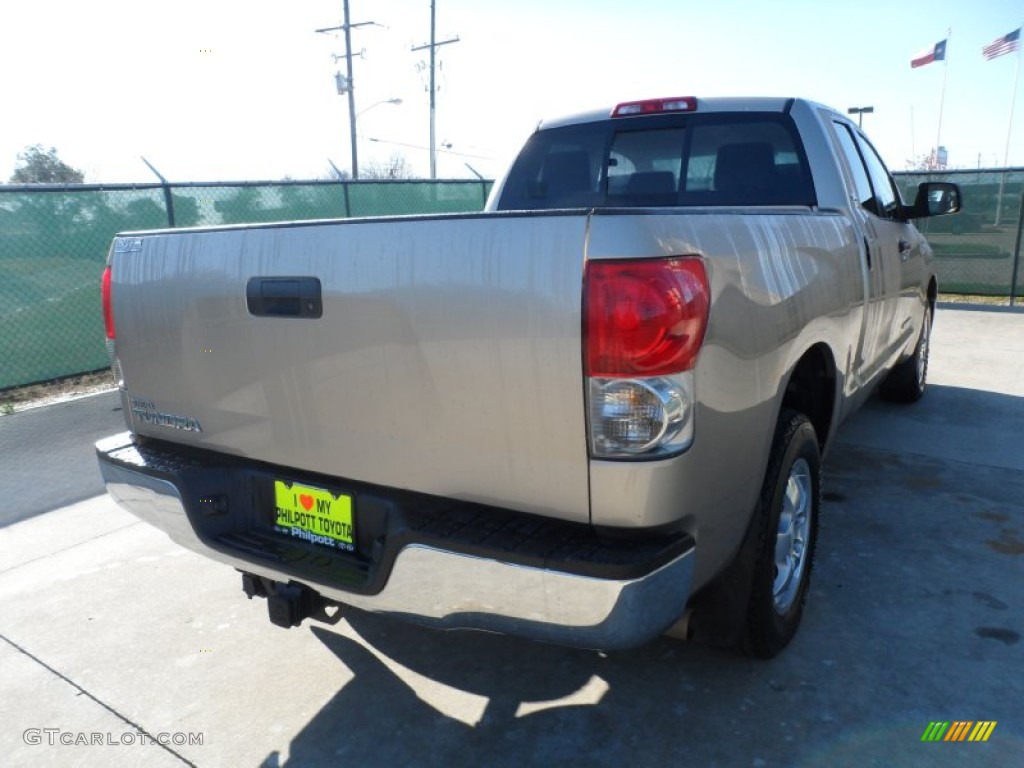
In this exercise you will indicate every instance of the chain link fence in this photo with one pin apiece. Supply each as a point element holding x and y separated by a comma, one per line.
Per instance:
<point>54,242</point>
<point>977,251</point>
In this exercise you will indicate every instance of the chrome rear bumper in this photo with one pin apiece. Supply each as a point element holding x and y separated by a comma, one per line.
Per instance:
<point>447,589</point>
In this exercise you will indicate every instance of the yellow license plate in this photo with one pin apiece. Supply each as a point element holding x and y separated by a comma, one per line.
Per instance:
<point>314,514</point>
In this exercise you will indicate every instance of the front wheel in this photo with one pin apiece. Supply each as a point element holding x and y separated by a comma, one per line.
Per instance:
<point>787,524</point>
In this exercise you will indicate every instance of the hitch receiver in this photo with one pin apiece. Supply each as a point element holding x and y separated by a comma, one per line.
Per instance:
<point>287,604</point>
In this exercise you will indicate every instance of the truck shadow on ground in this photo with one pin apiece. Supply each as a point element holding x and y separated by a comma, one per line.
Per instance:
<point>917,563</point>
<point>424,697</point>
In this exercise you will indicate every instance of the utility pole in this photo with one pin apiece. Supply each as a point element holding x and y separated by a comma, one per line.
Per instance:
<point>347,26</point>
<point>433,45</point>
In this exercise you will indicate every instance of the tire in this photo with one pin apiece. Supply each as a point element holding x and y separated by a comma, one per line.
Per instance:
<point>906,382</point>
<point>786,522</point>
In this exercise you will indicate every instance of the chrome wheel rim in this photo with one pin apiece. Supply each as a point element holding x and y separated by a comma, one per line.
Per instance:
<point>922,353</point>
<point>792,536</point>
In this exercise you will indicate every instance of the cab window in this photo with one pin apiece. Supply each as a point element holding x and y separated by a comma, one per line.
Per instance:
<point>886,194</point>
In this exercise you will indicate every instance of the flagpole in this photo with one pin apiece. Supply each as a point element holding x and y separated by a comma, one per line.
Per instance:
<point>942,97</point>
<point>1009,133</point>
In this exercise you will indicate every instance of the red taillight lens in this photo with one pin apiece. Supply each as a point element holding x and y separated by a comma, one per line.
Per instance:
<point>644,318</point>
<point>655,106</point>
<point>108,307</point>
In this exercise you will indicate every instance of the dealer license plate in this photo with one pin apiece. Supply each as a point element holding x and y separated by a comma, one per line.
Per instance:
<point>314,514</point>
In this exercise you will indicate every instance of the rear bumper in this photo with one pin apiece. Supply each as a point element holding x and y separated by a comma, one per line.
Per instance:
<point>467,568</point>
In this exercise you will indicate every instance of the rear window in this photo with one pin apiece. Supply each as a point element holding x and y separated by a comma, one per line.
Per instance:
<point>693,160</point>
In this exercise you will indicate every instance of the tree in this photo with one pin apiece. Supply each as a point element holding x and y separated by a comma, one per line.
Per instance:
<point>396,167</point>
<point>39,166</point>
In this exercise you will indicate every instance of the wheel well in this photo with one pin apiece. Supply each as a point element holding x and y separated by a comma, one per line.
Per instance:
<point>812,388</point>
<point>933,293</point>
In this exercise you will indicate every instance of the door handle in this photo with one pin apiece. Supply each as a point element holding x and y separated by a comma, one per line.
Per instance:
<point>905,249</point>
<point>284,297</point>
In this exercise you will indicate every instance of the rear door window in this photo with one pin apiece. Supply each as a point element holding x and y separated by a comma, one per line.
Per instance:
<point>858,173</point>
<point>873,185</point>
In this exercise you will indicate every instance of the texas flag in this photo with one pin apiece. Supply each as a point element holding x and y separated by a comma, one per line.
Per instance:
<point>932,53</point>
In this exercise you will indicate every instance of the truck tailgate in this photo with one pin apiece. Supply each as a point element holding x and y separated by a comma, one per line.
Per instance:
<point>447,359</point>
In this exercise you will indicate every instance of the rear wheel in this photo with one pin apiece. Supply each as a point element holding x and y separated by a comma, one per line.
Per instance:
<point>786,520</point>
<point>907,381</point>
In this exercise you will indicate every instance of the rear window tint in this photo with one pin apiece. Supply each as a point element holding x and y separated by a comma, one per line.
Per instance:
<point>717,160</point>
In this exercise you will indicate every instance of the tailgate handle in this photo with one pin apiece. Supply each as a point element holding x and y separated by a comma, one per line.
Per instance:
<point>284,297</point>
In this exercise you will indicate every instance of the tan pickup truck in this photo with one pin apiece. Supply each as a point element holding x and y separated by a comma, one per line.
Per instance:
<point>593,412</point>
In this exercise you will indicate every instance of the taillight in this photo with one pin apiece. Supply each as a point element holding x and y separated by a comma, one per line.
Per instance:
<point>108,307</point>
<point>656,106</point>
<point>644,323</point>
<point>644,318</point>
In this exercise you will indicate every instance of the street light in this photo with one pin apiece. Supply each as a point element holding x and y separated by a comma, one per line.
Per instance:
<point>377,104</point>
<point>860,112</point>
<point>395,101</point>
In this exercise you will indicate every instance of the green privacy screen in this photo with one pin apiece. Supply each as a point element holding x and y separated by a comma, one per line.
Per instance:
<point>54,242</point>
<point>976,250</point>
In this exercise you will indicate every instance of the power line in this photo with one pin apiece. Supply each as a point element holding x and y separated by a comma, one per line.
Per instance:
<point>445,148</point>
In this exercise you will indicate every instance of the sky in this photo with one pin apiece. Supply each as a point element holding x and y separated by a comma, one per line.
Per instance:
<point>210,90</point>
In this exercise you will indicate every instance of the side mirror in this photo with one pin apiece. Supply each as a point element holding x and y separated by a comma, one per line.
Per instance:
<point>935,198</point>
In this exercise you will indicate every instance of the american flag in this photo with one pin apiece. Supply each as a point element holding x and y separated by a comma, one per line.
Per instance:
<point>1005,44</point>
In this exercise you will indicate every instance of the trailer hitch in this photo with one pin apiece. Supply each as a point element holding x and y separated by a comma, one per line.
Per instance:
<point>289,604</point>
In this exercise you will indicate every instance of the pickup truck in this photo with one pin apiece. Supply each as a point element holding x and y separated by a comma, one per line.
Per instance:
<point>590,414</point>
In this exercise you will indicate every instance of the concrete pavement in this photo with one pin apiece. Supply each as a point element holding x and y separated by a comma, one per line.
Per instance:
<point>47,454</point>
<point>915,615</point>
